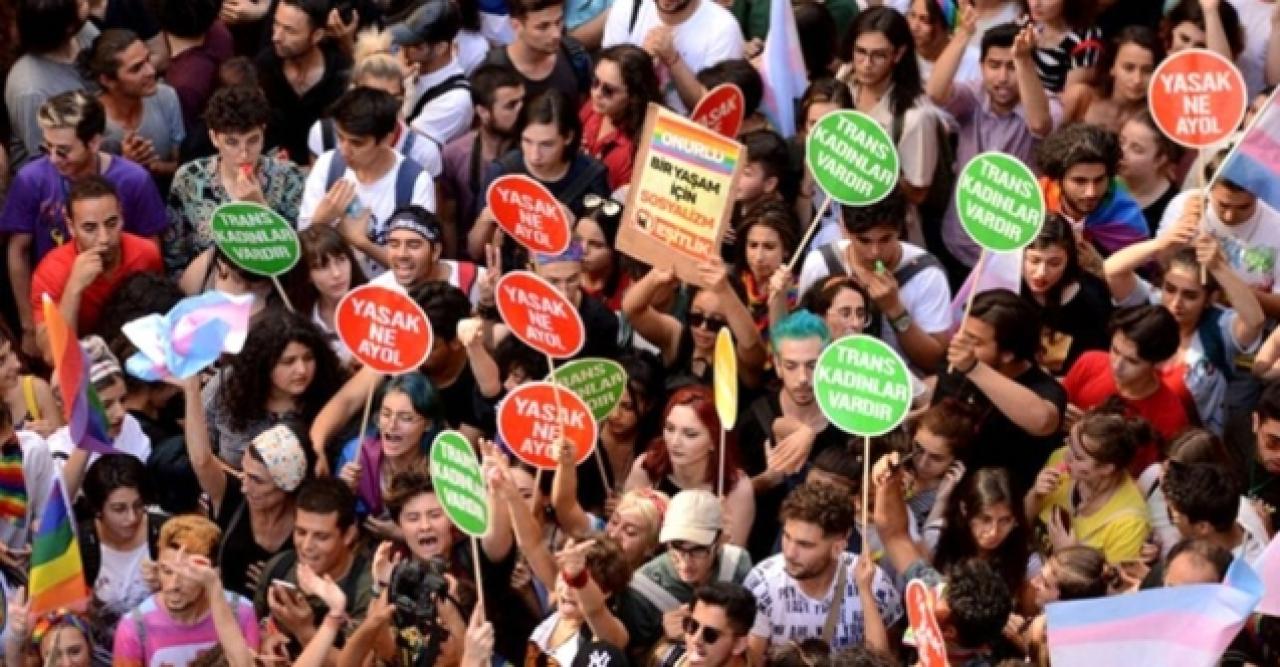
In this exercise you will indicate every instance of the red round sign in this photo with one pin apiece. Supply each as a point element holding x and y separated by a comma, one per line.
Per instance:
<point>384,328</point>
<point>529,213</point>
<point>721,110</point>
<point>539,315</point>
<point>529,419</point>
<point>1197,97</point>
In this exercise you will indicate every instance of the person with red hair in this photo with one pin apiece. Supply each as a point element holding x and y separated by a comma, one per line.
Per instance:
<point>687,457</point>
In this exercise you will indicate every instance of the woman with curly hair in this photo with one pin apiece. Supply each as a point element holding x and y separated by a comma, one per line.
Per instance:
<point>621,90</point>
<point>285,373</point>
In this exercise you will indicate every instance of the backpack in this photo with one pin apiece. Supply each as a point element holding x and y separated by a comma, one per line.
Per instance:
<point>938,198</point>
<point>406,175</point>
<point>328,140</point>
<point>455,82</point>
<point>903,274</point>
<point>91,546</point>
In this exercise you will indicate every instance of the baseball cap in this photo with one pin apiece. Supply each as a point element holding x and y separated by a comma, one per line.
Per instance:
<point>416,219</point>
<point>433,21</point>
<point>692,516</point>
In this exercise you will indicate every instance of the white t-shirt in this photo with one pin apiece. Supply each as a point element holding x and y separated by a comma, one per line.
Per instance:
<point>1250,247</point>
<point>927,296</point>
<point>120,585</point>
<point>710,35</point>
<point>469,50</point>
<point>378,196</point>
<point>1255,21</point>
<point>388,279</point>
<point>422,150</point>
<point>785,613</point>
<point>1166,535</point>
<point>131,441</point>
<point>446,117</point>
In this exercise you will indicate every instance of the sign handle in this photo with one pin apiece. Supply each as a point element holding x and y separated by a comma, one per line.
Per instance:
<point>720,486</point>
<point>813,227</point>
<point>551,377</point>
<point>1204,209</point>
<point>475,563</point>
<point>283,296</point>
<point>973,292</point>
<point>368,407</point>
<point>866,492</point>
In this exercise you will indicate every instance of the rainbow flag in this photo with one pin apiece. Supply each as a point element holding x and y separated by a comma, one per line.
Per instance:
<point>1255,163</point>
<point>782,68</point>
<point>1186,626</point>
<point>81,408</point>
<point>57,575</point>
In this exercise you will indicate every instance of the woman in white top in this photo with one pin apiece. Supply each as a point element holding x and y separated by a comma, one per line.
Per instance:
<point>333,271</point>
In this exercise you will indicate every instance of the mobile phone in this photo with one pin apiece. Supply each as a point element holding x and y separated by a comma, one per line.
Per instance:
<point>283,584</point>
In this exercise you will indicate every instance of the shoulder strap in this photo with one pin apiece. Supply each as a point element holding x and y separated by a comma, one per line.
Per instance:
<point>911,269</point>
<point>635,14</point>
<point>837,601</point>
<point>830,256</point>
<point>29,396</point>
<point>729,559</point>
<point>410,140</point>
<point>579,60</point>
<point>467,273</point>
<point>337,166</point>
<point>452,83</point>
<point>1215,348</point>
<point>406,176</point>
<point>326,135</point>
<point>655,594</point>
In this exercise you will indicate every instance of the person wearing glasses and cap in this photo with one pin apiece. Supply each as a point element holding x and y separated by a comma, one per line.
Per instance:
<point>716,629</point>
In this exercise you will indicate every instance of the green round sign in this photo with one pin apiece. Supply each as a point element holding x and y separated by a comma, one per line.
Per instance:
<point>255,237</point>
<point>852,158</point>
<point>459,483</point>
<point>862,385</point>
<point>999,202</point>
<point>600,383</point>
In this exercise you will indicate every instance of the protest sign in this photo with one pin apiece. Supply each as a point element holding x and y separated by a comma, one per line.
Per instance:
<point>539,315</point>
<point>459,483</point>
<point>532,416</point>
<point>681,194</point>
<point>862,385</point>
<point>725,365</point>
<point>721,109</point>
<point>600,383</point>
<point>999,202</point>
<point>1197,97</point>
<point>930,645</point>
<point>384,329</point>
<point>529,213</point>
<point>255,238</point>
<point>852,158</point>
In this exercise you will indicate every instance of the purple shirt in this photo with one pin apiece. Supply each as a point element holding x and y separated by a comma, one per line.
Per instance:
<point>982,130</point>
<point>460,182</point>
<point>38,196</point>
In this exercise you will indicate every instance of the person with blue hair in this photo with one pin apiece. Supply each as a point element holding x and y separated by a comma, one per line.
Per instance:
<point>407,416</point>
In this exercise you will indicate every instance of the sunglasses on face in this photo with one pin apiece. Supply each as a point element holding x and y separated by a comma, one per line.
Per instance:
<point>606,205</point>
<point>712,324</point>
<point>605,89</point>
<point>710,635</point>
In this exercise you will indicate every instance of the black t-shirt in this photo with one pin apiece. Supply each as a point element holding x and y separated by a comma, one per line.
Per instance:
<point>292,116</point>
<point>457,399</point>
<point>562,76</point>
<point>601,325</point>
<point>238,549</point>
<point>1242,445</point>
<point>1154,211</point>
<point>1000,442</point>
<point>1079,325</point>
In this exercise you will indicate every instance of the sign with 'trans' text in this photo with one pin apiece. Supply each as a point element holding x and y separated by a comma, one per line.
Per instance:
<point>852,158</point>
<point>459,483</point>
<point>999,202</point>
<point>862,385</point>
<point>255,237</point>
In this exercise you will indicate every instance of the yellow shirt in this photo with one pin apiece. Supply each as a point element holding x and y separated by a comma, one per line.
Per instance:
<point>1118,528</point>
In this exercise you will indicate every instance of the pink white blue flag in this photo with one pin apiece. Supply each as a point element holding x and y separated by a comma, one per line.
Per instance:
<point>1255,163</point>
<point>190,337</point>
<point>1001,270</point>
<point>782,68</point>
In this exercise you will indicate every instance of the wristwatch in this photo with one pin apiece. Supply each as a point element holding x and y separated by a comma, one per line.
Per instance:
<point>902,322</point>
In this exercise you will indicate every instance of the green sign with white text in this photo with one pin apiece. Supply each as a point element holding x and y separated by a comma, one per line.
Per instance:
<point>852,158</point>
<point>600,383</point>
<point>862,385</point>
<point>459,483</point>
<point>999,202</point>
<point>255,237</point>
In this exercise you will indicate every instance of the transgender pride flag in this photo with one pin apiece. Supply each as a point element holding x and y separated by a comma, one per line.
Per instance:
<point>1255,163</point>
<point>782,69</point>
<point>1186,626</point>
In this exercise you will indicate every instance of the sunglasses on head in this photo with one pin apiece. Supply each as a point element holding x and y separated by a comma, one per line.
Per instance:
<point>607,206</point>
<point>712,324</point>
<point>710,635</point>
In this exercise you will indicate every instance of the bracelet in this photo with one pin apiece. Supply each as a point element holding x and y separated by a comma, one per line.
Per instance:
<point>576,581</point>
<point>340,618</point>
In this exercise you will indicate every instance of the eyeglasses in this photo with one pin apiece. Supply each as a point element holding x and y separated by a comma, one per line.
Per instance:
<point>712,324</point>
<point>690,550</point>
<point>878,57</point>
<point>606,89</point>
<point>403,418</point>
<point>607,206</point>
<point>710,635</point>
<point>60,152</point>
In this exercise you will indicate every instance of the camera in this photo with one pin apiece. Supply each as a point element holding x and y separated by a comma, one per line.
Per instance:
<point>416,587</point>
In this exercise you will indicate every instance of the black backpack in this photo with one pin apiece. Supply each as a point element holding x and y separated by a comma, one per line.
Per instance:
<point>903,274</point>
<point>455,82</point>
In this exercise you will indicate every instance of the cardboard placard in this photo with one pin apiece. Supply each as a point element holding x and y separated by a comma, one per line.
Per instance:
<point>681,194</point>
<point>721,109</point>
<point>600,382</point>
<point>725,379</point>
<point>862,385</point>
<point>852,158</point>
<point>999,202</point>
<point>459,483</point>
<point>1197,97</point>
<point>529,213</point>
<point>255,238</point>
<point>539,315</point>
<point>531,417</point>
<point>384,328</point>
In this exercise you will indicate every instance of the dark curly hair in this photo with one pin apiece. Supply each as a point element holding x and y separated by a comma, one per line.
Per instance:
<point>1078,143</point>
<point>237,109</point>
<point>819,504</point>
<point>243,394</point>
<point>980,603</point>
<point>608,565</point>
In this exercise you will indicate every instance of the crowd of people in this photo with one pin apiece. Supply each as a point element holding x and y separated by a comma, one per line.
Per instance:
<point>1111,424</point>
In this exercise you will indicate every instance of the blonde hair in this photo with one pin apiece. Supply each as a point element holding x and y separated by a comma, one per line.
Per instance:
<point>73,110</point>
<point>373,57</point>
<point>650,506</point>
<point>191,532</point>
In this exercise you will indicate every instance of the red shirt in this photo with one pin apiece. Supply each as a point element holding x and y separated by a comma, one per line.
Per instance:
<point>1089,383</point>
<point>136,256</point>
<point>616,150</point>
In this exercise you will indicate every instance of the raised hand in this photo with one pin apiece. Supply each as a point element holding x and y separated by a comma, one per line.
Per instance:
<point>322,587</point>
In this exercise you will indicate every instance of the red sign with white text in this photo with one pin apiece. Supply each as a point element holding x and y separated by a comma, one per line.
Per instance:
<point>930,645</point>
<point>539,315</point>
<point>1197,97</point>
<point>531,418</point>
<point>528,213</point>
<point>721,109</point>
<point>384,328</point>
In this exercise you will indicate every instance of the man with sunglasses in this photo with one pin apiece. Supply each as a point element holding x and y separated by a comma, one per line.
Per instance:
<point>715,631</point>
<point>35,212</point>
<point>692,529</point>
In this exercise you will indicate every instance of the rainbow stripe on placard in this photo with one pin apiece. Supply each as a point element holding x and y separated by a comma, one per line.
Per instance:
<point>679,140</point>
